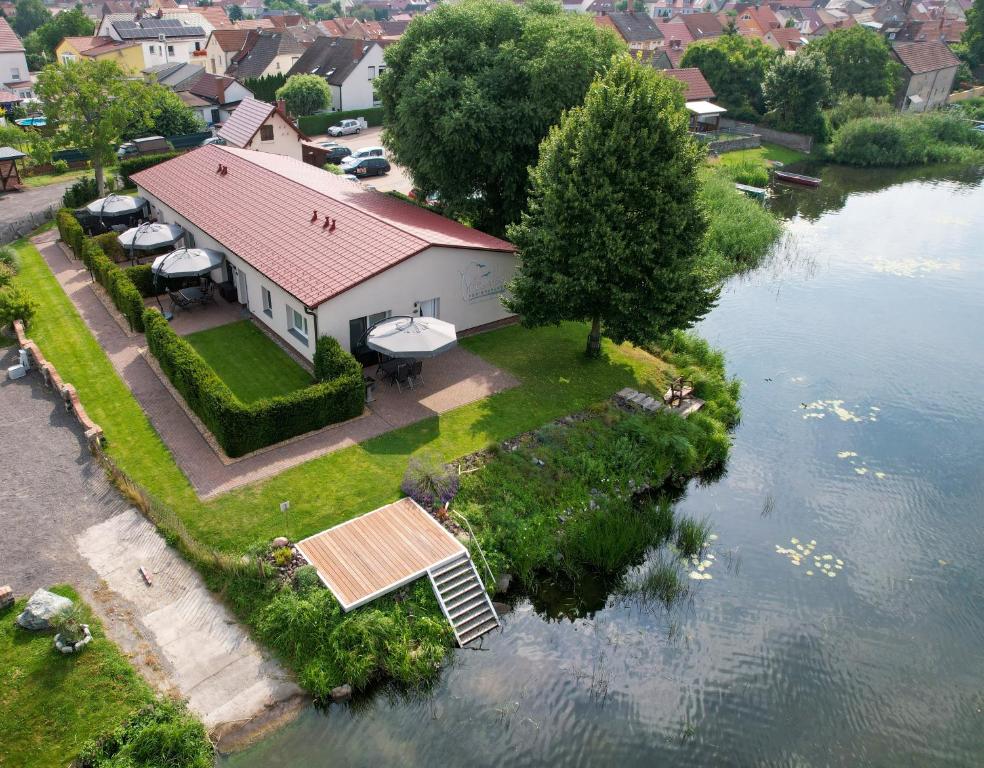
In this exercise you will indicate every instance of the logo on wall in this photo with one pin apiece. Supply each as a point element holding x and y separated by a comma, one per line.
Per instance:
<point>481,281</point>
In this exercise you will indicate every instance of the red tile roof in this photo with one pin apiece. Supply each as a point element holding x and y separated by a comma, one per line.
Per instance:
<point>929,56</point>
<point>230,39</point>
<point>9,42</point>
<point>698,89</point>
<point>243,124</point>
<point>261,211</point>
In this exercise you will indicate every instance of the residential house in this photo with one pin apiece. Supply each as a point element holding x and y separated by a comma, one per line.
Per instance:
<point>676,38</point>
<point>263,127</point>
<point>13,63</point>
<point>128,54</point>
<point>312,254</point>
<point>639,31</point>
<point>163,40</point>
<point>704,114</point>
<point>928,71</point>
<point>665,9</point>
<point>349,66</point>
<point>251,8</point>
<point>222,46</point>
<point>177,76</point>
<point>265,52</point>
<point>702,26</point>
<point>754,21</point>
<point>787,39</point>
<point>215,97</point>
<point>945,29</point>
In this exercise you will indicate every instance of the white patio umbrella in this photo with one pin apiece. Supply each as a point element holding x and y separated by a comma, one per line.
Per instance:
<point>116,205</point>
<point>150,237</point>
<point>412,337</point>
<point>187,262</point>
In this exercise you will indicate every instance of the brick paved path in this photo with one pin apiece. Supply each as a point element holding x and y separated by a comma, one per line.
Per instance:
<point>452,380</point>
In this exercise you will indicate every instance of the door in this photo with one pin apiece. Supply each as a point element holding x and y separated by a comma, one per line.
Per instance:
<point>241,288</point>
<point>429,308</point>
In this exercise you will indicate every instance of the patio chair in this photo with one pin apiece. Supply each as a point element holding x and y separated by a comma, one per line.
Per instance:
<point>402,376</point>
<point>179,301</point>
<point>208,292</point>
<point>416,377</point>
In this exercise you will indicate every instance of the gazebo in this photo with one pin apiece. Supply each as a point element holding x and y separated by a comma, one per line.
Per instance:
<point>9,175</point>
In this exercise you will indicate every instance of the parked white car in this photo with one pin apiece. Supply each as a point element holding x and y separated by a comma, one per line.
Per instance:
<point>345,127</point>
<point>358,154</point>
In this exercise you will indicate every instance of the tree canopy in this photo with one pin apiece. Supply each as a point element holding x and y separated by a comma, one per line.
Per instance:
<point>40,45</point>
<point>796,88</point>
<point>305,94</point>
<point>92,103</point>
<point>735,67</point>
<point>166,115</point>
<point>471,90</point>
<point>860,61</point>
<point>235,13</point>
<point>28,16</point>
<point>614,230</point>
<point>973,36</point>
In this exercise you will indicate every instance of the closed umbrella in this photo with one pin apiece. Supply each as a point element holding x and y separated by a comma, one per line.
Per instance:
<point>411,337</point>
<point>150,237</point>
<point>187,262</point>
<point>116,205</point>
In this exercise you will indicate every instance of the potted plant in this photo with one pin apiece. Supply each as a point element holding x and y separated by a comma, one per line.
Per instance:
<point>73,635</point>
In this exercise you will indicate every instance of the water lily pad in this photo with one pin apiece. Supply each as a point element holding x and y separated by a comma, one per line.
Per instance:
<point>809,573</point>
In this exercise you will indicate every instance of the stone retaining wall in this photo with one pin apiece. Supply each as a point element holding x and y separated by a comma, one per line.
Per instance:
<point>93,432</point>
<point>733,145</point>
<point>14,230</point>
<point>798,141</point>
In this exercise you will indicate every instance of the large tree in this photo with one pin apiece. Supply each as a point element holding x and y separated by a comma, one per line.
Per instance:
<point>40,44</point>
<point>973,36</point>
<point>235,13</point>
<point>471,90</point>
<point>860,61</point>
<point>305,94</point>
<point>91,102</point>
<point>166,115</point>
<point>28,16</point>
<point>796,88</point>
<point>614,229</point>
<point>735,67</point>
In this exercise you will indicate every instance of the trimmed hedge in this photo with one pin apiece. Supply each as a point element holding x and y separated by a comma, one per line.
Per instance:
<point>314,124</point>
<point>121,290</point>
<point>132,165</point>
<point>332,362</point>
<point>111,246</point>
<point>240,427</point>
<point>70,231</point>
<point>143,279</point>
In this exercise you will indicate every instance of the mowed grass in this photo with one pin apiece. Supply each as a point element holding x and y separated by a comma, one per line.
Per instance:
<point>249,362</point>
<point>50,703</point>
<point>763,153</point>
<point>556,379</point>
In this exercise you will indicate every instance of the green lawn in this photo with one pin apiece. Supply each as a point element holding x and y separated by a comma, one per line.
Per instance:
<point>556,379</point>
<point>51,704</point>
<point>763,153</point>
<point>249,362</point>
<point>44,179</point>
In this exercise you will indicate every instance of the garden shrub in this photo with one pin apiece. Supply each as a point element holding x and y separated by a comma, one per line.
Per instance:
<point>8,257</point>
<point>111,246</point>
<point>903,140</point>
<point>856,106</point>
<point>16,304</point>
<point>306,578</point>
<point>81,192</point>
<point>6,274</point>
<point>429,482</point>
<point>59,166</point>
<point>143,278</point>
<point>331,361</point>
<point>121,290</point>
<point>244,427</point>
<point>70,231</point>
<point>132,165</point>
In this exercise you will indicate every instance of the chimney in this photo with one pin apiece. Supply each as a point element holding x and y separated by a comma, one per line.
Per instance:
<point>282,108</point>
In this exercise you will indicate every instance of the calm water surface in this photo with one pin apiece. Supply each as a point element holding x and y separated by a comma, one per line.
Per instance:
<point>861,349</point>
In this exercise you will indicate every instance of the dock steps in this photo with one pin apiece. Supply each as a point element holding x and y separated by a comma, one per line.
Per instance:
<point>641,401</point>
<point>463,599</point>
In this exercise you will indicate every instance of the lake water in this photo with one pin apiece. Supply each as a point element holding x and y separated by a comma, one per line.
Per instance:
<point>861,349</point>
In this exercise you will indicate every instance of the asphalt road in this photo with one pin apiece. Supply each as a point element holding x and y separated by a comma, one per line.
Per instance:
<point>398,178</point>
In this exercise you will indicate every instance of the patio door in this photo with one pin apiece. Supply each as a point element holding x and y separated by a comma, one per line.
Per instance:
<point>429,308</point>
<point>239,278</point>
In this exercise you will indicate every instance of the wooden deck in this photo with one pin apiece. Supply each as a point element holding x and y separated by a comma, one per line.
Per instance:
<point>368,556</point>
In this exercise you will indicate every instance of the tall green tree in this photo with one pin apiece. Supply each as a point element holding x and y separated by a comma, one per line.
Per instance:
<point>235,13</point>
<point>92,102</point>
<point>40,45</point>
<point>28,16</point>
<point>860,61</point>
<point>305,94</point>
<point>796,89</point>
<point>735,67</point>
<point>614,229</point>
<point>973,36</point>
<point>166,115</point>
<point>471,90</point>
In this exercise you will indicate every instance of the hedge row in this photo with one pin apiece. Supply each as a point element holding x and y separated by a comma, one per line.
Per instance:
<point>132,165</point>
<point>143,279</point>
<point>244,427</point>
<point>70,231</point>
<point>315,124</point>
<point>121,290</point>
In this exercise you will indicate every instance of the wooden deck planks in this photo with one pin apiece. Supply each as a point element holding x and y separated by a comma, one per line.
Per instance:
<point>377,552</point>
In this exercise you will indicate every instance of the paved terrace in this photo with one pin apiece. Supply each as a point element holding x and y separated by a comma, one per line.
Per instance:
<point>449,381</point>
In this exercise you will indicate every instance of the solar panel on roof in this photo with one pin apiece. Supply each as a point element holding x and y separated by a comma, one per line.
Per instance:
<point>125,24</point>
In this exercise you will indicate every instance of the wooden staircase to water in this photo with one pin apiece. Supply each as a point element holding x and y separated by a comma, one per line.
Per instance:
<point>462,596</point>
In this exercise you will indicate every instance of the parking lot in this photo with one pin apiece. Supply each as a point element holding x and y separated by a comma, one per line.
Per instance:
<point>397,178</point>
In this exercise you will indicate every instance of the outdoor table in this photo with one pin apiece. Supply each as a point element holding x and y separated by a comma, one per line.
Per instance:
<point>388,368</point>
<point>192,294</point>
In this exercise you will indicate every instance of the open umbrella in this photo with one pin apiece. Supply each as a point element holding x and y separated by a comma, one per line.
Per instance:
<point>411,337</point>
<point>187,262</point>
<point>150,237</point>
<point>116,205</point>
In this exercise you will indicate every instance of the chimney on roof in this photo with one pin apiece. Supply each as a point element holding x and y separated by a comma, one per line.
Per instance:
<point>314,217</point>
<point>332,227</point>
<point>282,108</point>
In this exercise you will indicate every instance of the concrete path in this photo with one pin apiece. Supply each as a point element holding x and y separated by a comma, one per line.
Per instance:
<point>450,381</point>
<point>62,522</point>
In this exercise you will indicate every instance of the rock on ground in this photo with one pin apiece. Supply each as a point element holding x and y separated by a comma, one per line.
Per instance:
<point>42,609</point>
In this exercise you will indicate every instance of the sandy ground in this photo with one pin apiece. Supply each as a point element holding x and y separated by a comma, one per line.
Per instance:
<point>398,178</point>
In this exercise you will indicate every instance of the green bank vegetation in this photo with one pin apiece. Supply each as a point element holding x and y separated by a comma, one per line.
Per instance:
<point>905,139</point>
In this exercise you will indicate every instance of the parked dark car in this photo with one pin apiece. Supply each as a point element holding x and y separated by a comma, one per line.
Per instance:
<point>336,153</point>
<point>148,145</point>
<point>366,166</point>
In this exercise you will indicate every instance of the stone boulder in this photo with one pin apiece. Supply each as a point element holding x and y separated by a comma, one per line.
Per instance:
<point>341,693</point>
<point>42,609</point>
<point>6,596</point>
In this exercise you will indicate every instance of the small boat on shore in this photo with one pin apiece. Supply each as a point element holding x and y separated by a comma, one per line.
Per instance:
<point>796,178</point>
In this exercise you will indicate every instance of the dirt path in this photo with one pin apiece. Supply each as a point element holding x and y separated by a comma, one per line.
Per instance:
<point>62,522</point>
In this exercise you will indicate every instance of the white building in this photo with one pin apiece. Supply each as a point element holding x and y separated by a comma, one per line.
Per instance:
<point>13,63</point>
<point>263,127</point>
<point>312,254</point>
<point>349,66</point>
<point>163,40</point>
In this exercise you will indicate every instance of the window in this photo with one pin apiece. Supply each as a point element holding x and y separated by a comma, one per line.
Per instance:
<point>153,50</point>
<point>198,46</point>
<point>297,325</point>
<point>170,50</point>
<point>357,330</point>
<point>216,117</point>
<point>429,308</point>
<point>266,133</point>
<point>189,239</point>
<point>68,58</point>
<point>214,70</point>
<point>372,72</point>
<point>267,301</point>
<point>15,73</point>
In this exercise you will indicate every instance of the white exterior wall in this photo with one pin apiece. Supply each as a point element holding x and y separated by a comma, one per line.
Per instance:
<point>155,52</point>
<point>13,67</point>
<point>286,140</point>
<point>216,60</point>
<point>357,91</point>
<point>469,284</point>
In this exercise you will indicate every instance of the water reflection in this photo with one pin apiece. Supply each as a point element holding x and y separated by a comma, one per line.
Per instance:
<point>765,665</point>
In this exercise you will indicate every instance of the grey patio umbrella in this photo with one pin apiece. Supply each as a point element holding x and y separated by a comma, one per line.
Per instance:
<point>411,337</point>
<point>187,262</point>
<point>116,205</point>
<point>150,237</point>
